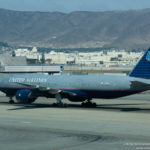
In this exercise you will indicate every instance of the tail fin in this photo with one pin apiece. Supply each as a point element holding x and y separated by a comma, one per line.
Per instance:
<point>142,69</point>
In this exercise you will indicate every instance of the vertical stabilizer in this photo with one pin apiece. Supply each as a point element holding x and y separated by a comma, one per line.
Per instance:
<point>142,69</point>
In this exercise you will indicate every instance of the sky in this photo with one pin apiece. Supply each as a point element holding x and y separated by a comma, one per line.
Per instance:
<point>73,5</point>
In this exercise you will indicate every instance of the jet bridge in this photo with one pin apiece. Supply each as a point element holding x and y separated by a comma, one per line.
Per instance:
<point>50,69</point>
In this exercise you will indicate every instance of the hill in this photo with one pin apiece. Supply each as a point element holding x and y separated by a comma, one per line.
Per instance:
<point>120,29</point>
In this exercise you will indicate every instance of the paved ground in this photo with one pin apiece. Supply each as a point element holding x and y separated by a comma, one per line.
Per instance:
<point>121,124</point>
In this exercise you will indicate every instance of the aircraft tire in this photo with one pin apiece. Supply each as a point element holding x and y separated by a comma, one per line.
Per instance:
<point>89,105</point>
<point>59,105</point>
<point>11,102</point>
<point>94,105</point>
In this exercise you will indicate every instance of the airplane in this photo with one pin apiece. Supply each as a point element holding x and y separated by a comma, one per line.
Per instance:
<point>77,88</point>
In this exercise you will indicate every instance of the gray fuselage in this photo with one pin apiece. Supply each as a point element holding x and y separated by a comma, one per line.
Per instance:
<point>90,86</point>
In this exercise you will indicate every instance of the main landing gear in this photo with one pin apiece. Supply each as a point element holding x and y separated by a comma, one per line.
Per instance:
<point>11,101</point>
<point>59,101</point>
<point>88,103</point>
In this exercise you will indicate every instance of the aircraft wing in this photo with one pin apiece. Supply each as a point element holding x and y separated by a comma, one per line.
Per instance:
<point>47,89</point>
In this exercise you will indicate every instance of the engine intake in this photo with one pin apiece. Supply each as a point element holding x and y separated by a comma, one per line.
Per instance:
<point>25,96</point>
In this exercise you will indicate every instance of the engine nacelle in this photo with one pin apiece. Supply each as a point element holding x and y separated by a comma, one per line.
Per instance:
<point>25,96</point>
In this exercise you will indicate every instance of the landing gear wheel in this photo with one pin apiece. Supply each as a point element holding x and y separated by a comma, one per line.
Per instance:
<point>88,104</point>
<point>11,102</point>
<point>94,105</point>
<point>83,104</point>
<point>59,105</point>
<point>59,101</point>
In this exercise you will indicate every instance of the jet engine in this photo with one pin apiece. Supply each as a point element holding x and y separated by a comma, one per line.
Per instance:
<point>25,96</point>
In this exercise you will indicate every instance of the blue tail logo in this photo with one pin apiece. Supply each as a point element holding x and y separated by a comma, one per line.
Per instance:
<point>142,69</point>
<point>148,56</point>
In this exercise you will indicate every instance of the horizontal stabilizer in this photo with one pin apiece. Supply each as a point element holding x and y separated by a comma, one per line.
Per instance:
<point>139,84</point>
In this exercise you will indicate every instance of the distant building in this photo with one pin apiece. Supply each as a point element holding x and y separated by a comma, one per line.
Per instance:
<point>32,56</point>
<point>9,64</point>
<point>111,57</point>
<point>6,60</point>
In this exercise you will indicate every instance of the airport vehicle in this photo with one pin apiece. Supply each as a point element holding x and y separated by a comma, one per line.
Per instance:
<point>77,88</point>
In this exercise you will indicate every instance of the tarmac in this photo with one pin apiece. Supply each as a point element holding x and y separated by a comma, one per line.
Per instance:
<point>119,124</point>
